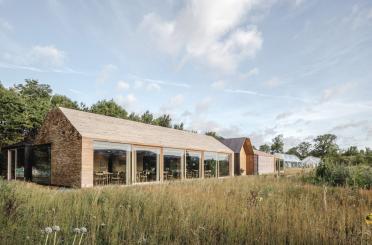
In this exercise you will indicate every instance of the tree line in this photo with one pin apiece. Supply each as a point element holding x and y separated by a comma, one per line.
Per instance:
<point>23,108</point>
<point>323,146</point>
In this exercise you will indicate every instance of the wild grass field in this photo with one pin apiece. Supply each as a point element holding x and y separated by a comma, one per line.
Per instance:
<point>239,210</point>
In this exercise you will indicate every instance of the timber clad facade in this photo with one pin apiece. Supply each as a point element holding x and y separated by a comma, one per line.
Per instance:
<point>80,149</point>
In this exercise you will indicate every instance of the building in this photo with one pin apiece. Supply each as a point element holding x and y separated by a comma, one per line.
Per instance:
<point>311,162</point>
<point>248,161</point>
<point>81,149</point>
<point>290,161</point>
<point>243,155</point>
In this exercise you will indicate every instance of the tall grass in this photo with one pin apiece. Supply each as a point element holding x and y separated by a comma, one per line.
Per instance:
<point>240,210</point>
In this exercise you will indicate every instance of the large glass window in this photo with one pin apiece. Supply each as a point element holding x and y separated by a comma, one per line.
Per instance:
<point>111,163</point>
<point>20,164</point>
<point>146,164</point>
<point>223,165</point>
<point>193,164</point>
<point>41,161</point>
<point>210,164</point>
<point>173,162</point>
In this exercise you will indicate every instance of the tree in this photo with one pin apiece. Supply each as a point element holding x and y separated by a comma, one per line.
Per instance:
<point>303,149</point>
<point>213,134</point>
<point>37,104</point>
<point>325,145</point>
<point>63,101</point>
<point>164,121</point>
<point>278,144</point>
<point>134,117</point>
<point>109,108</point>
<point>352,151</point>
<point>14,123</point>
<point>147,117</point>
<point>265,148</point>
<point>293,151</point>
<point>178,126</point>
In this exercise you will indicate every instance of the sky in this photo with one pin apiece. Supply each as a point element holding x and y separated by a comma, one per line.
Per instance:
<point>254,68</point>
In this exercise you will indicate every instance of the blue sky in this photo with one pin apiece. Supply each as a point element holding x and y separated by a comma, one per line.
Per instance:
<point>239,67</point>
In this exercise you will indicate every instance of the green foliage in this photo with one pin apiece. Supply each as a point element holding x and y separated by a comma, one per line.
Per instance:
<point>325,145</point>
<point>213,134</point>
<point>164,121</point>
<point>178,126</point>
<point>278,144</point>
<point>265,148</point>
<point>134,117</point>
<point>147,117</point>
<point>343,175</point>
<point>63,101</point>
<point>109,108</point>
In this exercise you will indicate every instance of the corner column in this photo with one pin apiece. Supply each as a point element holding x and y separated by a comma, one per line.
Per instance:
<point>87,162</point>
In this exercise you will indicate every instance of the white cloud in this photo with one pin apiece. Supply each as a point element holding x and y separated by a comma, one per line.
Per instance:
<point>203,106</point>
<point>173,104</point>
<point>122,86</point>
<point>153,87</point>
<point>105,73</point>
<point>127,101</point>
<point>250,73</point>
<point>337,91</point>
<point>219,85</point>
<point>46,55</point>
<point>272,83</point>
<point>210,32</point>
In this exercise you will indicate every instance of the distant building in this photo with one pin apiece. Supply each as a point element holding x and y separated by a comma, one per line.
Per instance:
<point>311,162</point>
<point>248,161</point>
<point>290,161</point>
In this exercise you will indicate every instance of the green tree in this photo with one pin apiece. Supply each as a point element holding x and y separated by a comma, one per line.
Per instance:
<point>109,108</point>
<point>213,134</point>
<point>303,149</point>
<point>178,126</point>
<point>265,148</point>
<point>36,97</point>
<point>164,121</point>
<point>134,117</point>
<point>293,151</point>
<point>63,101</point>
<point>278,144</point>
<point>325,145</point>
<point>14,123</point>
<point>351,151</point>
<point>147,117</point>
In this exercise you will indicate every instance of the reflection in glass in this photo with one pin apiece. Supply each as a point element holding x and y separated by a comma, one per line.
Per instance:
<point>146,164</point>
<point>172,164</point>
<point>210,164</point>
<point>41,164</point>
<point>20,165</point>
<point>223,165</point>
<point>192,164</point>
<point>110,163</point>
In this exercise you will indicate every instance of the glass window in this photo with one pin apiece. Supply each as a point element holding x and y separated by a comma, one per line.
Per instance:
<point>223,165</point>
<point>146,164</point>
<point>210,164</point>
<point>193,164</point>
<point>20,167</point>
<point>111,163</point>
<point>173,162</point>
<point>41,161</point>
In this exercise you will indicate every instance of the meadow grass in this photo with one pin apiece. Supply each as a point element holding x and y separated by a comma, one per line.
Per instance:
<point>239,210</point>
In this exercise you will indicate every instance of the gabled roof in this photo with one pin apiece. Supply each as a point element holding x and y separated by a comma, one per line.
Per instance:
<point>112,129</point>
<point>288,157</point>
<point>262,153</point>
<point>235,144</point>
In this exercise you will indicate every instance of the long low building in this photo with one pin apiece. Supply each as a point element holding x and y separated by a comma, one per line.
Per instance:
<point>81,149</point>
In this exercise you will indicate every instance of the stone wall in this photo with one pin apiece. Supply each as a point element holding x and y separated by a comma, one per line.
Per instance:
<point>66,152</point>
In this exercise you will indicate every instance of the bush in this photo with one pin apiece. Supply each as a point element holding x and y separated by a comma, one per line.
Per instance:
<point>341,175</point>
